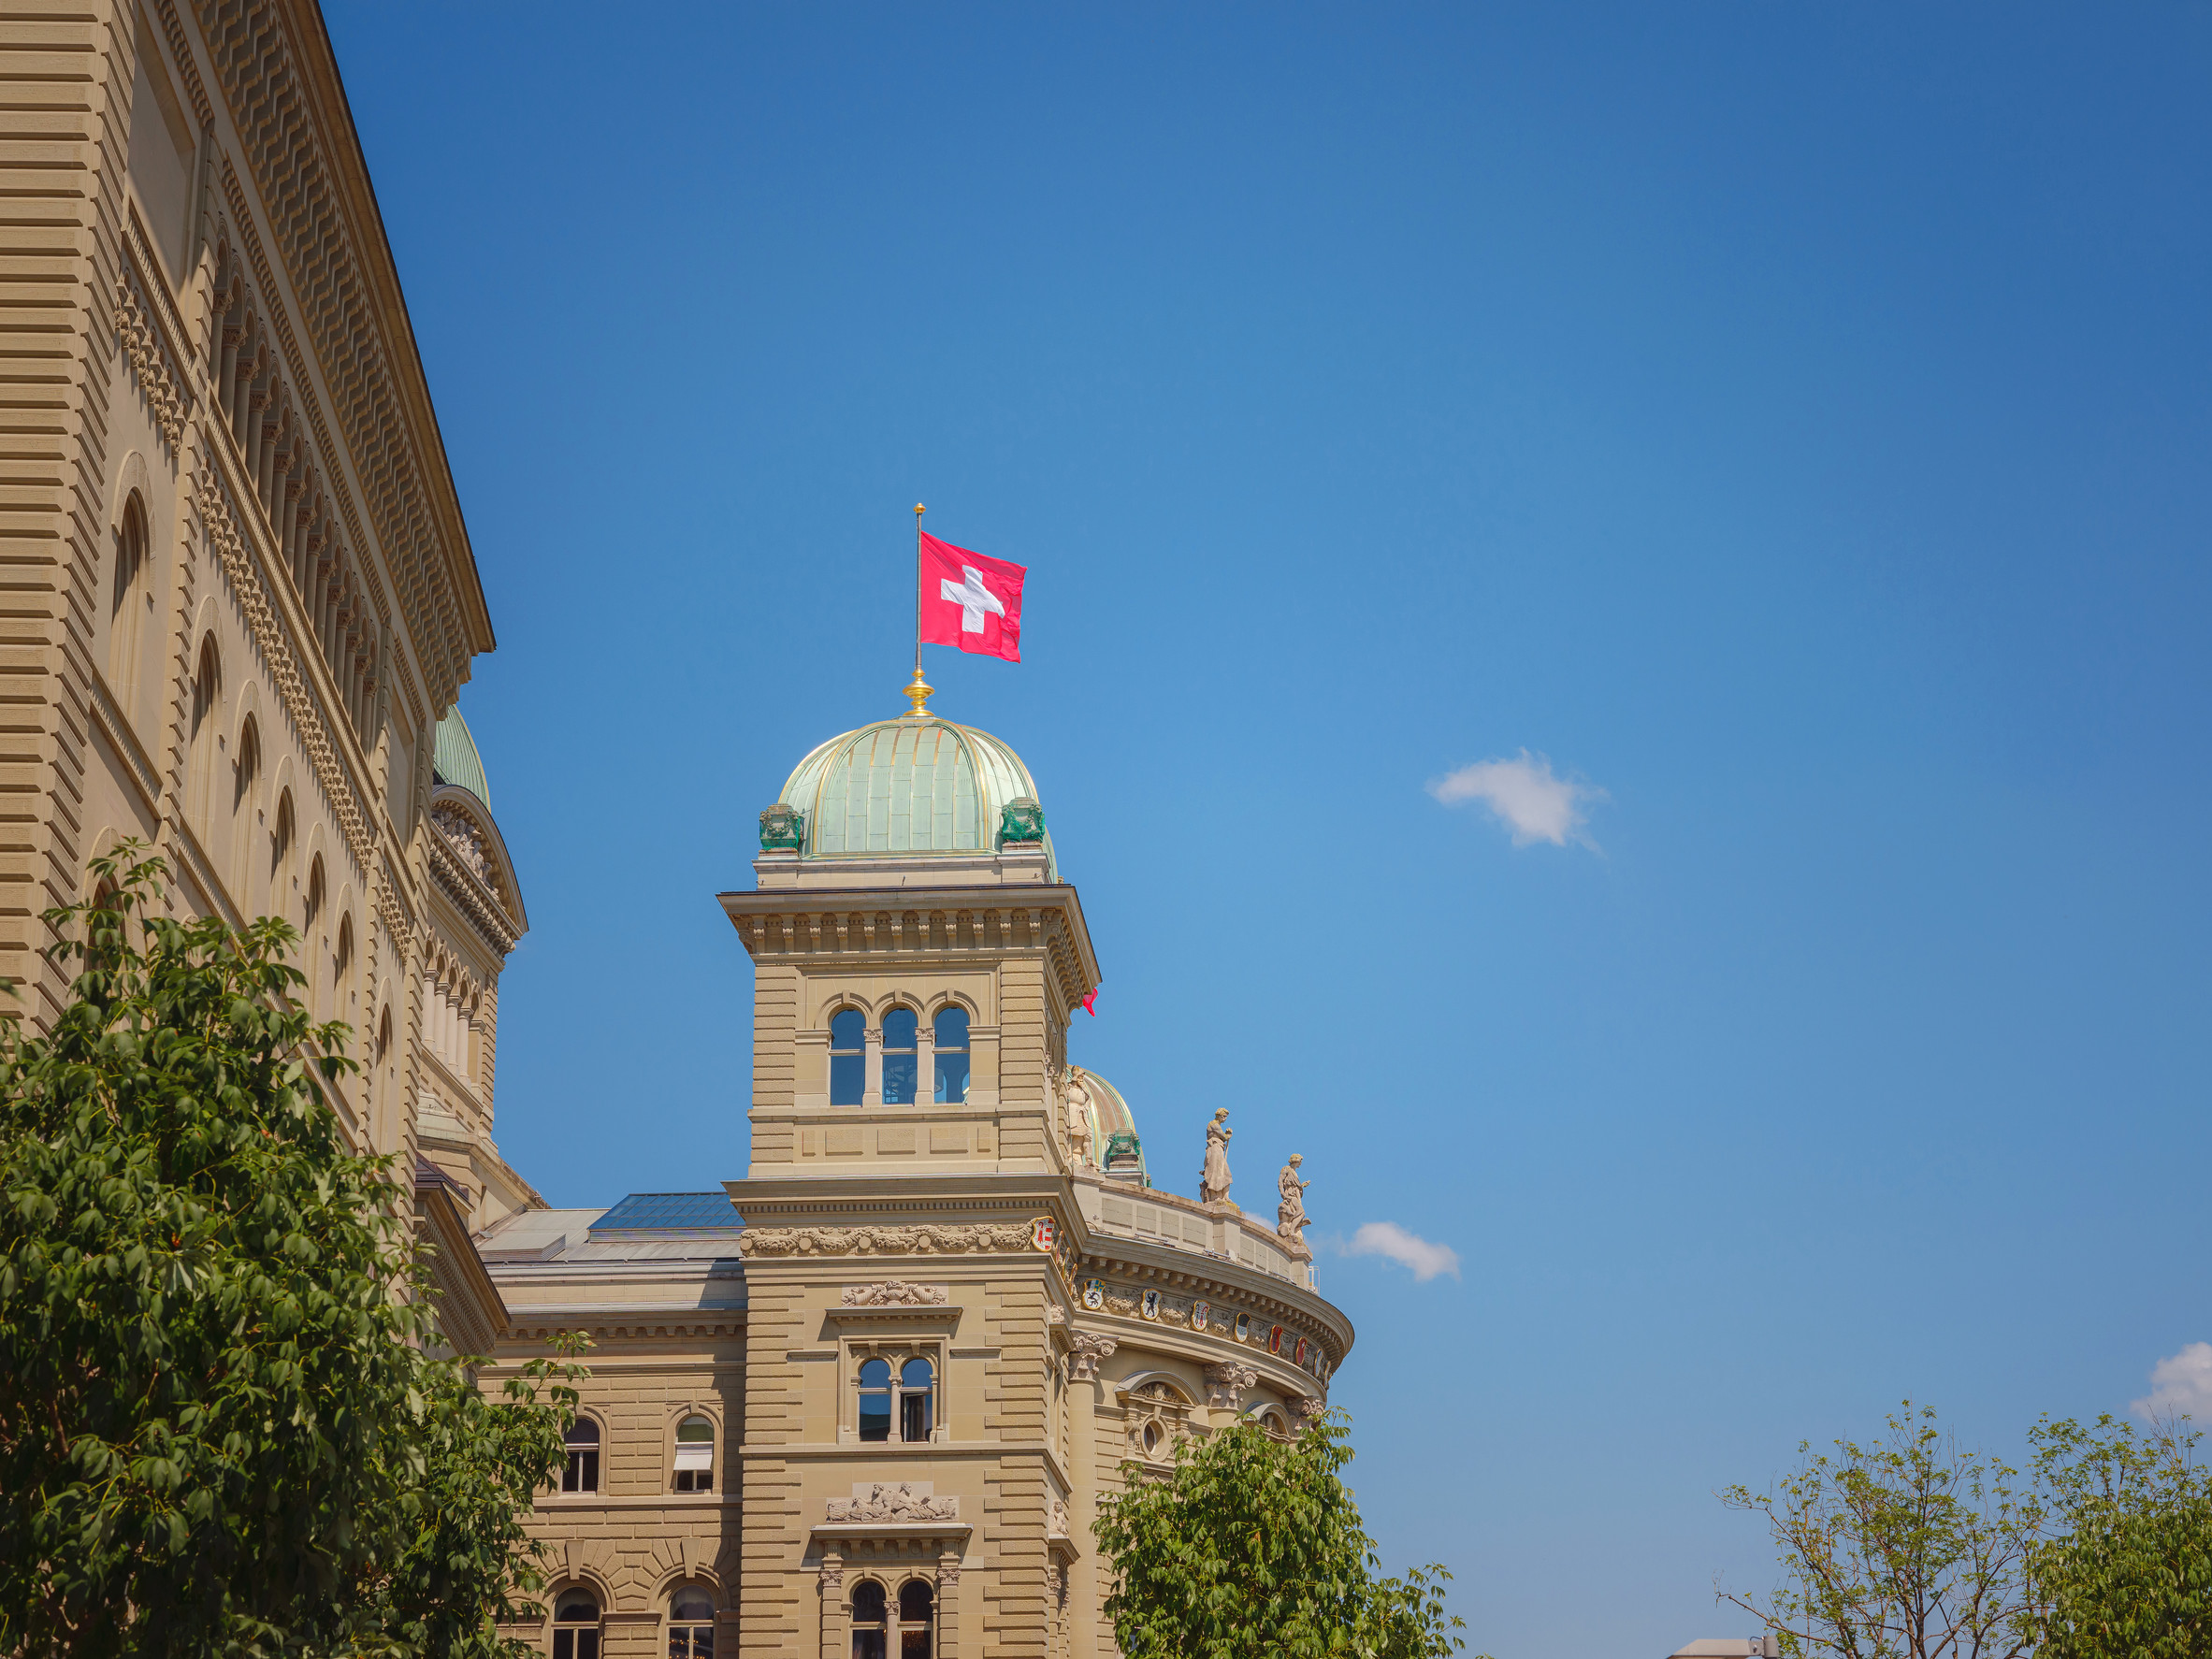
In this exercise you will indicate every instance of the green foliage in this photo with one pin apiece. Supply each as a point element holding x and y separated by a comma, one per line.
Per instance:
<point>1907,1549</point>
<point>219,1432</point>
<point>1252,1545</point>
<point>1913,1548</point>
<point>2129,1573</point>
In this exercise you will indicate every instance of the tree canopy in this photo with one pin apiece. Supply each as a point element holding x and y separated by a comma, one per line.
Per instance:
<point>1252,1544</point>
<point>219,1430</point>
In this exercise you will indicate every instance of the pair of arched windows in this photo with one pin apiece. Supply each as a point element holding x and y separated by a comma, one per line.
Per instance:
<point>691,1623</point>
<point>909,1403</point>
<point>871,1624</point>
<point>901,1026</point>
<point>694,1469</point>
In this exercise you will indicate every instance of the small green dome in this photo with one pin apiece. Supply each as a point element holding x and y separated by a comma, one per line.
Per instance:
<point>1110,1115</point>
<point>454,760</point>
<point>909,785</point>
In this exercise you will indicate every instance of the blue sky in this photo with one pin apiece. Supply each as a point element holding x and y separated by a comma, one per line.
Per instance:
<point>1788,425</point>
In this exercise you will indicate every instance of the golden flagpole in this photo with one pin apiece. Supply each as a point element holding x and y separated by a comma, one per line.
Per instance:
<point>917,694</point>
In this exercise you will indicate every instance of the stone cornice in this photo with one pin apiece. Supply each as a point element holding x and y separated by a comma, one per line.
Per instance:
<point>937,925</point>
<point>279,82</point>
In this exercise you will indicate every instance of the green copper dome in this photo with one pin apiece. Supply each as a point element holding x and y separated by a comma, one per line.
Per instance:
<point>454,759</point>
<point>910,785</point>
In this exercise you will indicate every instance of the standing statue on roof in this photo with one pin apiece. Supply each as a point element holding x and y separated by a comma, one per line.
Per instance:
<point>1213,1182</point>
<point>1290,1215</point>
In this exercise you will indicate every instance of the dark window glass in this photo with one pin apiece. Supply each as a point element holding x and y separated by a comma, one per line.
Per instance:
<point>691,1625</point>
<point>695,1455</point>
<point>849,1060</point>
<point>582,1471</point>
<point>914,1602</point>
<point>898,1027</point>
<point>868,1608</point>
<point>580,1639</point>
<point>914,1400</point>
<point>875,1402</point>
<point>952,1056</point>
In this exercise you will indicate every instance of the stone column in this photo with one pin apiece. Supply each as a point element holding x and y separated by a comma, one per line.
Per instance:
<point>836,1636</point>
<point>925,1065</point>
<point>1084,1594</point>
<point>948,1605</point>
<point>871,1068</point>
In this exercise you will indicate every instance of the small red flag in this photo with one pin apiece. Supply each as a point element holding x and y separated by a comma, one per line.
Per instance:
<point>1090,998</point>
<point>969,600</point>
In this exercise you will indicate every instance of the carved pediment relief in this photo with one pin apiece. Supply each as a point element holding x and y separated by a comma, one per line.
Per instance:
<point>906,1501</point>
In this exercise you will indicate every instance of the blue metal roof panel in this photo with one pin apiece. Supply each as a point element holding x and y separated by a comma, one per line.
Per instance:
<point>671,1212</point>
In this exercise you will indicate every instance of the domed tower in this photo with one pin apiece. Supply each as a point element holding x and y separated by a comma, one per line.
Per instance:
<point>966,1304</point>
<point>918,958</point>
<point>476,917</point>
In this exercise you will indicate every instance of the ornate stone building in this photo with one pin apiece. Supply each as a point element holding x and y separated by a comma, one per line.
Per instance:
<point>242,599</point>
<point>865,1400</point>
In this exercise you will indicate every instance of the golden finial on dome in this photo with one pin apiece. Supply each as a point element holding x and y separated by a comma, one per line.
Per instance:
<point>917,694</point>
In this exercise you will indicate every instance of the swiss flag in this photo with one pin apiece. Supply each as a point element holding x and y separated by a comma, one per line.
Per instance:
<point>969,600</point>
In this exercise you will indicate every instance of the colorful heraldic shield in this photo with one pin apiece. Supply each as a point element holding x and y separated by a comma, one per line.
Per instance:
<point>1201,1315</point>
<point>1151,1305</point>
<point>1041,1234</point>
<point>1094,1295</point>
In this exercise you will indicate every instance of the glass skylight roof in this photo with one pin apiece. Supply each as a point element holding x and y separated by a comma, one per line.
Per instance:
<point>671,1212</point>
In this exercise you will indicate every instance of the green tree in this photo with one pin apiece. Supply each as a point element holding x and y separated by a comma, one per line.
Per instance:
<point>1252,1545</point>
<point>2127,1573</point>
<point>1910,1548</point>
<point>219,1430</point>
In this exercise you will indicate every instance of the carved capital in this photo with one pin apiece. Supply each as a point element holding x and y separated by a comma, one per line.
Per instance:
<point>1088,1350</point>
<point>1226,1384</point>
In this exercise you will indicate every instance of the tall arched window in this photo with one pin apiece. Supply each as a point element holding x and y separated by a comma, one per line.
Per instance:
<point>245,786</point>
<point>691,1622</point>
<point>207,690</point>
<point>951,1030</point>
<point>868,1620</point>
<point>695,1455</point>
<point>126,617</point>
<point>311,948</point>
<point>848,1057</point>
<point>898,1027</point>
<point>380,1081</point>
<point>916,1392</point>
<point>876,1400</point>
<point>343,965</point>
<point>918,1606</point>
<point>280,837</point>
<point>576,1625</point>
<point>582,1471</point>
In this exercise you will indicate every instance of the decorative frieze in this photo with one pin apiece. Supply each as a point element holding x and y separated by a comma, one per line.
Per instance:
<point>894,1293</point>
<point>881,1241</point>
<point>140,337</point>
<point>907,1501</point>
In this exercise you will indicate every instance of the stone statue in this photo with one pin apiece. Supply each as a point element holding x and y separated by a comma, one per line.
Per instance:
<point>1213,1184</point>
<point>1076,1106</point>
<point>1290,1215</point>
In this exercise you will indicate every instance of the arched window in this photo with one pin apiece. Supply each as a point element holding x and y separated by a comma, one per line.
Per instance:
<point>310,959</point>
<point>207,690</point>
<point>691,1622</point>
<point>898,1027</point>
<point>876,1400</point>
<point>280,837</point>
<point>868,1620</point>
<point>695,1458</point>
<point>127,616</point>
<point>245,785</point>
<point>953,1055</point>
<point>576,1625</point>
<point>343,965</point>
<point>915,1393</point>
<point>380,1082</point>
<point>582,1471</point>
<point>918,1604</point>
<point>848,1057</point>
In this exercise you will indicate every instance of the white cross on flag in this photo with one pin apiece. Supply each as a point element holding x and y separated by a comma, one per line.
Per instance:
<point>969,600</point>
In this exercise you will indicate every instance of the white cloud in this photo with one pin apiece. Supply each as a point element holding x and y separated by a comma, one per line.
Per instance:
<point>1388,1239</point>
<point>1526,796</point>
<point>2181,1385</point>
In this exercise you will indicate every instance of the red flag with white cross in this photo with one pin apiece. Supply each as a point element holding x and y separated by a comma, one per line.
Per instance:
<point>969,600</point>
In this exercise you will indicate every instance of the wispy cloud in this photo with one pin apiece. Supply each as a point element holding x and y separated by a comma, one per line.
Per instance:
<point>1527,797</point>
<point>2180,1386</point>
<point>1389,1240</point>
